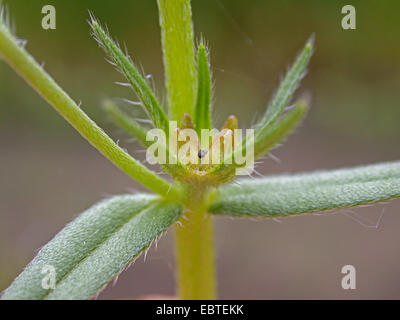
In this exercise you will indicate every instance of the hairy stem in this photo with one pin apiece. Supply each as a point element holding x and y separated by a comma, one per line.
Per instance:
<point>194,238</point>
<point>195,253</point>
<point>179,62</point>
<point>24,64</point>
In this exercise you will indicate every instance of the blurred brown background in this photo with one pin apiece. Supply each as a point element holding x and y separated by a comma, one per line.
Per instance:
<point>49,174</point>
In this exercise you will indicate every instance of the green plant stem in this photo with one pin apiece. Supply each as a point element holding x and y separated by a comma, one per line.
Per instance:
<point>33,73</point>
<point>179,63</point>
<point>195,253</point>
<point>194,238</point>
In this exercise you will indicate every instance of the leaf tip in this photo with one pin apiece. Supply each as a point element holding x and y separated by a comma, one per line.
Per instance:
<point>92,19</point>
<point>310,45</point>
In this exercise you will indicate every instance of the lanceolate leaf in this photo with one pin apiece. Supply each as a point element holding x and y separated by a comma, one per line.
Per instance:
<point>266,134</point>
<point>204,85</point>
<point>130,126</point>
<point>125,122</point>
<point>286,88</point>
<point>278,132</point>
<point>95,247</point>
<point>179,61</point>
<point>309,192</point>
<point>34,74</point>
<point>266,140</point>
<point>139,84</point>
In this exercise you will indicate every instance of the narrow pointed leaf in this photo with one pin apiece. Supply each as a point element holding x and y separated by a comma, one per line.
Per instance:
<point>263,142</point>
<point>204,86</point>
<point>179,58</point>
<point>130,126</point>
<point>309,192</point>
<point>139,84</point>
<point>277,133</point>
<point>287,88</point>
<point>34,74</point>
<point>126,123</point>
<point>95,247</point>
<point>266,136</point>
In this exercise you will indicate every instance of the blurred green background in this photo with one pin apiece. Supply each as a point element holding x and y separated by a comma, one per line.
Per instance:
<point>49,174</point>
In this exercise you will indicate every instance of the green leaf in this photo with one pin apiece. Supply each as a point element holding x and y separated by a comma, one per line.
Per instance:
<point>264,142</point>
<point>309,192</point>
<point>34,74</point>
<point>286,88</point>
<point>278,132</point>
<point>204,87</point>
<point>139,84</point>
<point>179,61</point>
<point>267,135</point>
<point>125,122</point>
<point>95,247</point>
